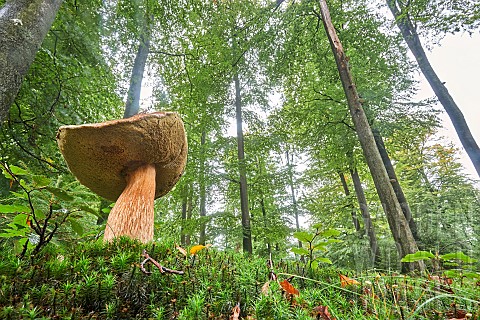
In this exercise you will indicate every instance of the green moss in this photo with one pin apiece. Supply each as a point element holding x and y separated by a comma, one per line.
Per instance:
<point>105,281</point>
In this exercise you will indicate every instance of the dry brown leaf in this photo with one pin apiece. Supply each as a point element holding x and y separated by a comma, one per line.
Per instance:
<point>321,312</point>
<point>287,286</point>
<point>265,288</point>
<point>235,313</point>
<point>182,251</point>
<point>346,281</point>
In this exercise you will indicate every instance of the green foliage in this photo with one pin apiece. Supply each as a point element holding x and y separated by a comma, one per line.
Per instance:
<point>39,210</point>
<point>314,242</point>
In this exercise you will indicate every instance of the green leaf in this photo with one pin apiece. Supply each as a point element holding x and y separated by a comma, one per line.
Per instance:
<point>60,194</point>
<point>323,260</point>
<point>18,171</point>
<point>330,233</point>
<point>300,251</point>
<point>458,256</point>
<point>40,181</point>
<point>417,256</point>
<point>317,226</point>
<point>76,226</point>
<point>6,208</point>
<point>314,264</point>
<point>303,236</point>
<point>320,246</point>
<point>21,219</point>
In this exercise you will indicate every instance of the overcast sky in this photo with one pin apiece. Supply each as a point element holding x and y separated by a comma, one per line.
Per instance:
<point>457,62</point>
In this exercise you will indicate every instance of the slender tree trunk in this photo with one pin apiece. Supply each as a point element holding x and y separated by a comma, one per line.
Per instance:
<point>23,26</point>
<point>356,223</point>
<point>246,230</point>
<point>265,225</point>
<point>456,116</point>
<point>397,222</point>
<point>189,217</point>
<point>203,209</point>
<point>367,221</point>
<point>396,185</point>
<point>292,192</point>
<point>133,96</point>
<point>184,220</point>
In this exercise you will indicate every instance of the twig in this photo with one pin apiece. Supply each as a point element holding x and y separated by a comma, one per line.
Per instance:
<point>156,264</point>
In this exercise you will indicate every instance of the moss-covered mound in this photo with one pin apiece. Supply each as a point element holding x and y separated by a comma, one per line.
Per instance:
<point>113,281</point>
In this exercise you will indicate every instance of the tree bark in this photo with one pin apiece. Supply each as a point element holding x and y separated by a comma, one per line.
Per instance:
<point>246,230</point>
<point>456,116</point>
<point>23,26</point>
<point>396,185</point>
<point>203,208</point>
<point>294,199</point>
<point>184,220</point>
<point>367,220</point>
<point>397,222</point>
<point>356,223</point>
<point>133,96</point>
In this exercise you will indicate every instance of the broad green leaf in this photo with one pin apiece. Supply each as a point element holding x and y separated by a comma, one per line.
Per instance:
<point>18,171</point>
<point>21,219</point>
<point>317,226</point>
<point>6,208</point>
<point>59,193</point>
<point>76,226</point>
<point>300,251</point>
<point>458,256</point>
<point>303,236</point>
<point>330,233</point>
<point>417,256</point>
<point>40,181</point>
<point>320,246</point>
<point>323,260</point>
<point>314,264</point>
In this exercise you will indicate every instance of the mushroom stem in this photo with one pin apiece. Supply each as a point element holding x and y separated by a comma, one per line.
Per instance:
<point>133,214</point>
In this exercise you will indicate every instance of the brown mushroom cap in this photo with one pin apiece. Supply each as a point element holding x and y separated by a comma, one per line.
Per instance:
<point>101,154</point>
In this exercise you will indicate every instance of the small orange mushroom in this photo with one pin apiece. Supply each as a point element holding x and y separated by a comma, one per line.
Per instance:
<point>131,161</point>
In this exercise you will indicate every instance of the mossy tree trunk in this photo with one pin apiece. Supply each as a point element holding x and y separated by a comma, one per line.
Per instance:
<point>23,26</point>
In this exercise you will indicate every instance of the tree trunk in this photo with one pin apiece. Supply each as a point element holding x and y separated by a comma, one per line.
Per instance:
<point>246,230</point>
<point>133,96</point>
<point>396,185</point>
<point>367,221</point>
<point>294,199</point>
<point>203,209</point>
<point>184,220</point>
<point>188,237</point>
<point>23,26</point>
<point>456,116</point>
<point>356,223</point>
<point>265,225</point>
<point>397,222</point>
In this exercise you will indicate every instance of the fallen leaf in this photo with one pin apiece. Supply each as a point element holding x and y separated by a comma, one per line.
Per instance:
<point>182,251</point>
<point>235,312</point>
<point>321,312</point>
<point>287,286</point>
<point>265,288</point>
<point>345,281</point>
<point>195,249</point>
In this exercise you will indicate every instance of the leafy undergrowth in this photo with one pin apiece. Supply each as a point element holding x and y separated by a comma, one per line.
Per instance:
<point>123,280</point>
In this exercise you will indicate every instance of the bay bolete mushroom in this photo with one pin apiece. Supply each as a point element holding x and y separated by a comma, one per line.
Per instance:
<point>131,161</point>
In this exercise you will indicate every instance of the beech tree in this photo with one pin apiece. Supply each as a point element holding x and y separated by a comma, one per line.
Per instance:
<point>406,24</point>
<point>23,26</point>
<point>397,222</point>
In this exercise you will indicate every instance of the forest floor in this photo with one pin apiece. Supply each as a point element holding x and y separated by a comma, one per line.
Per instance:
<point>129,280</point>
